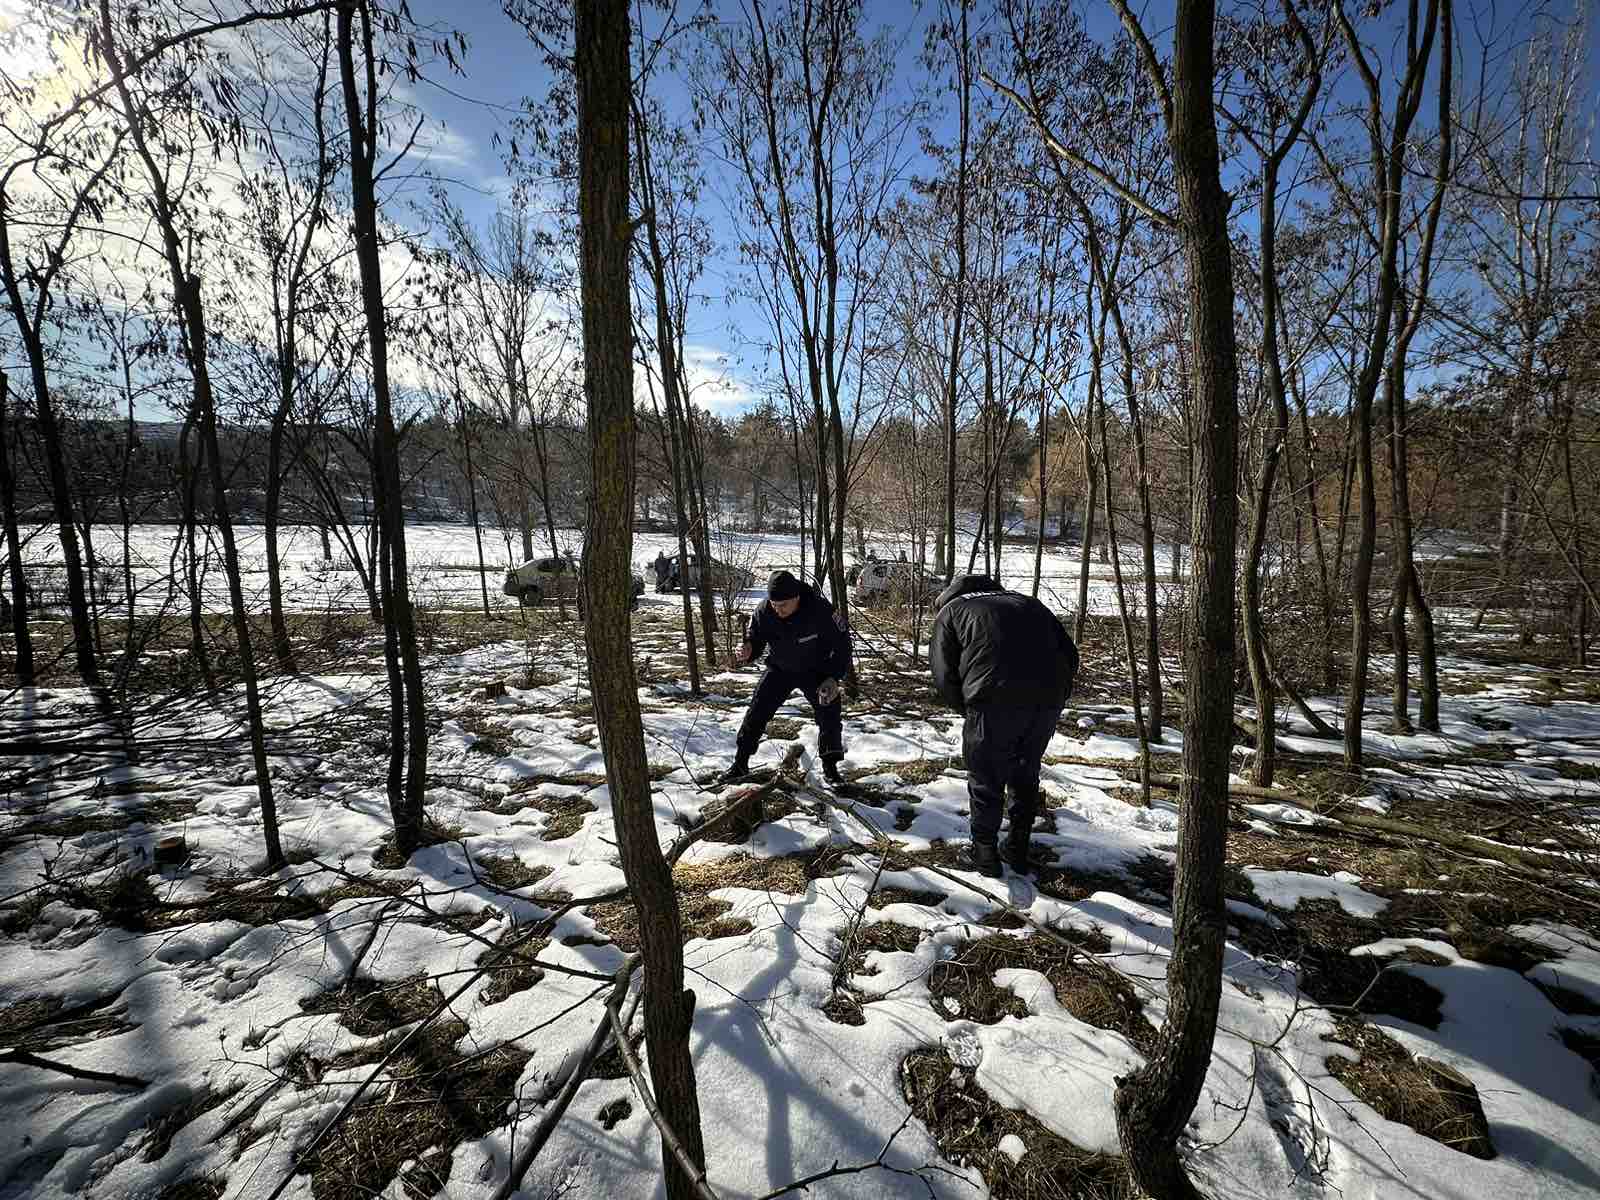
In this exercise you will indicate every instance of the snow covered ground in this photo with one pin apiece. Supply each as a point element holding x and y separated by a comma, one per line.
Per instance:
<point>222,998</point>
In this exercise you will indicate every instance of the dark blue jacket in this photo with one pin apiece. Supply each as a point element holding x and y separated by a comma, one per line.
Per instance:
<point>998,647</point>
<point>813,641</point>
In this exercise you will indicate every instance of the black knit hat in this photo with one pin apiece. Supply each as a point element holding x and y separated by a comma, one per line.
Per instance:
<point>782,586</point>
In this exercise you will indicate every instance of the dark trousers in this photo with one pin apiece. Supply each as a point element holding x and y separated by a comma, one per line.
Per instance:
<point>1003,745</point>
<point>775,687</point>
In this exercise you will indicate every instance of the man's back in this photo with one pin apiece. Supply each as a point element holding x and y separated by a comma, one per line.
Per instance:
<point>993,646</point>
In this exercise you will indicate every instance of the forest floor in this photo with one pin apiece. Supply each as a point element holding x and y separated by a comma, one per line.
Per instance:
<point>1411,1004</point>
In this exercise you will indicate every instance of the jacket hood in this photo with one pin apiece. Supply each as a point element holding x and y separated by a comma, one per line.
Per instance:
<point>964,585</point>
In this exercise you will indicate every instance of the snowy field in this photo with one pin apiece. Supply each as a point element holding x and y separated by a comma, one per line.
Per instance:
<point>444,566</point>
<point>230,1014</point>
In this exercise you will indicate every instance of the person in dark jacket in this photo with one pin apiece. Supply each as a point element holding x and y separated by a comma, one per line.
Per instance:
<point>1006,662</point>
<point>807,647</point>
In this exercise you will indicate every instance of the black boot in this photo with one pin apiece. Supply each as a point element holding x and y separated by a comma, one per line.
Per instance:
<point>986,859</point>
<point>738,770</point>
<point>830,769</point>
<point>1017,847</point>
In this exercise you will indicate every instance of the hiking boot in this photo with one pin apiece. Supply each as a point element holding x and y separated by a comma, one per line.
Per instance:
<point>1017,849</point>
<point>830,770</point>
<point>985,859</point>
<point>738,770</point>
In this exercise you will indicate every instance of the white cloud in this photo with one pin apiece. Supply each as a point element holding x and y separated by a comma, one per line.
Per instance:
<point>713,385</point>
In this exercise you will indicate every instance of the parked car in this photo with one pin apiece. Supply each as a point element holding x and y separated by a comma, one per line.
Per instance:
<point>891,583</point>
<point>722,575</point>
<point>540,578</point>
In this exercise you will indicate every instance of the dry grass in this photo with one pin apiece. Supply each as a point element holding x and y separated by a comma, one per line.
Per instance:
<point>886,896</point>
<point>702,918</point>
<point>788,874</point>
<point>883,937</point>
<point>921,771</point>
<point>1432,1099</point>
<point>388,857</point>
<point>566,815</point>
<point>513,968</point>
<point>968,1126</point>
<point>367,1007</point>
<point>509,871</point>
<point>435,1100</point>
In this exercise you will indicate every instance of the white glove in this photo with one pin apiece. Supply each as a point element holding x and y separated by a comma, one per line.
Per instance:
<point>827,691</point>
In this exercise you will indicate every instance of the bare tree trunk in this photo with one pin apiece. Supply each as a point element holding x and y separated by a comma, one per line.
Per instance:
<point>602,68</point>
<point>1044,492</point>
<point>695,485</point>
<point>196,345</point>
<point>1091,487</point>
<point>472,502</point>
<point>1330,670</point>
<point>188,488</point>
<point>1147,529</point>
<point>666,348</point>
<point>49,426</point>
<point>8,509</point>
<point>1131,655</point>
<point>1389,173</point>
<point>1154,1103</point>
<point>406,803</point>
<point>1408,580</point>
<point>1272,450</point>
<point>282,647</point>
<point>959,300</point>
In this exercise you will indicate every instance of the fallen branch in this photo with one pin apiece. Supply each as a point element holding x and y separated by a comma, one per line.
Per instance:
<point>25,1059</point>
<point>552,1117</point>
<point>669,1136</point>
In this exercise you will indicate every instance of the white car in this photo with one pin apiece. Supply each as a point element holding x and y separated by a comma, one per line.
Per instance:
<point>891,583</point>
<point>539,578</point>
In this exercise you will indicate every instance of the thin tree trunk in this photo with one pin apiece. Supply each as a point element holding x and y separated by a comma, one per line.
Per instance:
<point>1388,171</point>
<point>191,313</point>
<point>1147,529</point>
<point>959,300</point>
<point>1044,493</point>
<point>666,348</point>
<point>1153,1105</point>
<point>282,647</point>
<point>1131,655</point>
<point>19,584</point>
<point>602,69</point>
<point>472,503</point>
<point>55,457</point>
<point>188,487</point>
<point>361,114</point>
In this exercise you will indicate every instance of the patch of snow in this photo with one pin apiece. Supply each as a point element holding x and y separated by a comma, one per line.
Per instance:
<point>1286,889</point>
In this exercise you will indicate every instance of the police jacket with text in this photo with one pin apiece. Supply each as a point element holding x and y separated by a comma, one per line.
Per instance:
<point>998,647</point>
<point>813,641</point>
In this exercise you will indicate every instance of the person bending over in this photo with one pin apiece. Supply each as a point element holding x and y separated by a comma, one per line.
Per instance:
<point>807,647</point>
<point>1006,663</point>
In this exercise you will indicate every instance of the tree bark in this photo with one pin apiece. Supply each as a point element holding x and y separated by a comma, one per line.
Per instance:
<point>55,456</point>
<point>1153,1105</point>
<point>405,798</point>
<point>959,299</point>
<point>1389,178</point>
<point>603,75</point>
<point>8,509</point>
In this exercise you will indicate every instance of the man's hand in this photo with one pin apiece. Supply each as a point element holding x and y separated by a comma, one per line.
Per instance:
<point>743,654</point>
<point>828,691</point>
